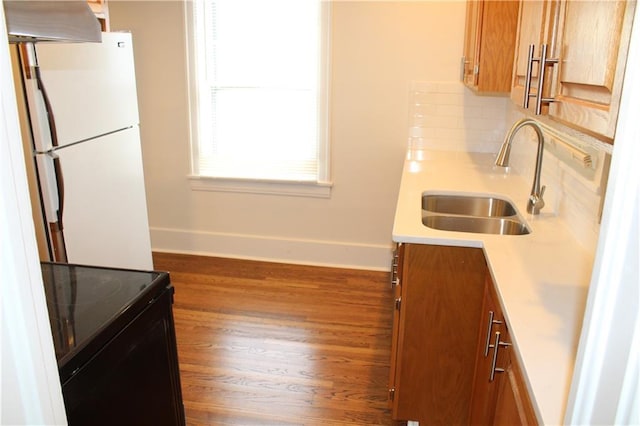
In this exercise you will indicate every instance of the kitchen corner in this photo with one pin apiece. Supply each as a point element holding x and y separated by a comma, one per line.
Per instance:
<point>541,278</point>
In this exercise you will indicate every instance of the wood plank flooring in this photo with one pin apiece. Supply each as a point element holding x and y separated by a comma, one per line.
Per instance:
<point>275,344</point>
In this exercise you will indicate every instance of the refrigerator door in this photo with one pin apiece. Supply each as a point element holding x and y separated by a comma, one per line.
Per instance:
<point>105,212</point>
<point>91,87</point>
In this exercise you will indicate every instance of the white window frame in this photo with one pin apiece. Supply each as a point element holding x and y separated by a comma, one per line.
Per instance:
<point>321,188</point>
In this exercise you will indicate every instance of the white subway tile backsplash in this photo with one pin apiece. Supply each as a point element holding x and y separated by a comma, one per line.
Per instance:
<point>448,99</point>
<point>453,118</point>
<point>447,116</point>
<point>425,87</point>
<point>450,87</point>
<point>480,123</point>
<point>457,111</point>
<point>574,193</point>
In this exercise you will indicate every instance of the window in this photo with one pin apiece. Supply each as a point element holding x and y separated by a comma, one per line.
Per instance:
<point>259,95</point>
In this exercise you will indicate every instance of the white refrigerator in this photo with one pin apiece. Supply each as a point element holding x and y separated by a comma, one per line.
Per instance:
<point>83,111</point>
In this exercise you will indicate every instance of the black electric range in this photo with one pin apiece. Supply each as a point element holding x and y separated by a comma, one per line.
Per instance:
<point>88,306</point>
<point>114,340</point>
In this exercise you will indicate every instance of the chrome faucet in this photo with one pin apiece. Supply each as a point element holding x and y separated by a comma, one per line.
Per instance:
<point>536,203</point>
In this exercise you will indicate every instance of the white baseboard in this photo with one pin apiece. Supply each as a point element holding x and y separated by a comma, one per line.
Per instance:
<point>273,249</point>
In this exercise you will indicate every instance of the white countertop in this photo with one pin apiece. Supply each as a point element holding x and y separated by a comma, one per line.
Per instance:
<point>542,278</point>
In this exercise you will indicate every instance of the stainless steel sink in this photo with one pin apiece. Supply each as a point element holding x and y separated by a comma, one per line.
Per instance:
<point>479,225</point>
<point>481,214</point>
<point>469,205</point>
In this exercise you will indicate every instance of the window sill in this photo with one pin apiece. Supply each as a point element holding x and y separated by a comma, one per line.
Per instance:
<point>251,186</point>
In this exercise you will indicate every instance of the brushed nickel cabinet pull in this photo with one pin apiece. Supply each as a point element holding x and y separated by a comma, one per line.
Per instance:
<point>490,324</point>
<point>463,68</point>
<point>394,267</point>
<point>544,61</point>
<point>527,78</point>
<point>495,347</point>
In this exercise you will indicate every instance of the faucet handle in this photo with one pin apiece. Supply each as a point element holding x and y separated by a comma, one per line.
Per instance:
<point>536,203</point>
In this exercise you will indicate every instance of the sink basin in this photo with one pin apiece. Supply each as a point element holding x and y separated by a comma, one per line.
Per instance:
<point>481,225</point>
<point>481,214</point>
<point>468,205</point>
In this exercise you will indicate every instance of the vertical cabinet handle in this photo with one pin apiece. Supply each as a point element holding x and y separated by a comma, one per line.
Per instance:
<point>527,78</point>
<point>463,67</point>
<point>395,265</point>
<point>490,324</point>
<point>544,61</point>
<point>494,360</point>
<point>394,276</point>
<point>395,260</point>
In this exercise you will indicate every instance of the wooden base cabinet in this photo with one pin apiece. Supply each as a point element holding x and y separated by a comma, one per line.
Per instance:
<point>500,395</point>
<point>513,404</point>
<point>452,358</point>
<point>485,391</point>
<point>438,303</point>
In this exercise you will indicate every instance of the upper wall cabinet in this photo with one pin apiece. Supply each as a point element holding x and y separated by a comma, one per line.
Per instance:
<point>576,51</point>
<point>489,45</point>
<point>593,39</point>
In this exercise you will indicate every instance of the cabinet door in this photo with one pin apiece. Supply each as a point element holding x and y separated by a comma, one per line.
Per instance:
<point>442,290</point>
<point>513,405</point>
<point>485,390</point>
<point>489,44</point>
<point>535,26</point>
<point>593,38</point>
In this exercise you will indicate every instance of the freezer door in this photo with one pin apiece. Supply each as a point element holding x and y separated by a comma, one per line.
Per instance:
<point>105,210</point>
<point>91,87</point>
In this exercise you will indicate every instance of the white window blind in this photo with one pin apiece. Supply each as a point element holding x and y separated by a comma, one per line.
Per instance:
<point>259,88</point>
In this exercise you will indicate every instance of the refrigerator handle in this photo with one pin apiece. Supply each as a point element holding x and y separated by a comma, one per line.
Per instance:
<point>57,228</point>
<point>57,167</point>
<point>47,104</point>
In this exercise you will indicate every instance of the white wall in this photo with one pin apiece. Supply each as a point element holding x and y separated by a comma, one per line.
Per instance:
<point>378,48</point>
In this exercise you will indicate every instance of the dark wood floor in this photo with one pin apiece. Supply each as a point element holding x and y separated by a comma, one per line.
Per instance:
<point>265,343</point>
